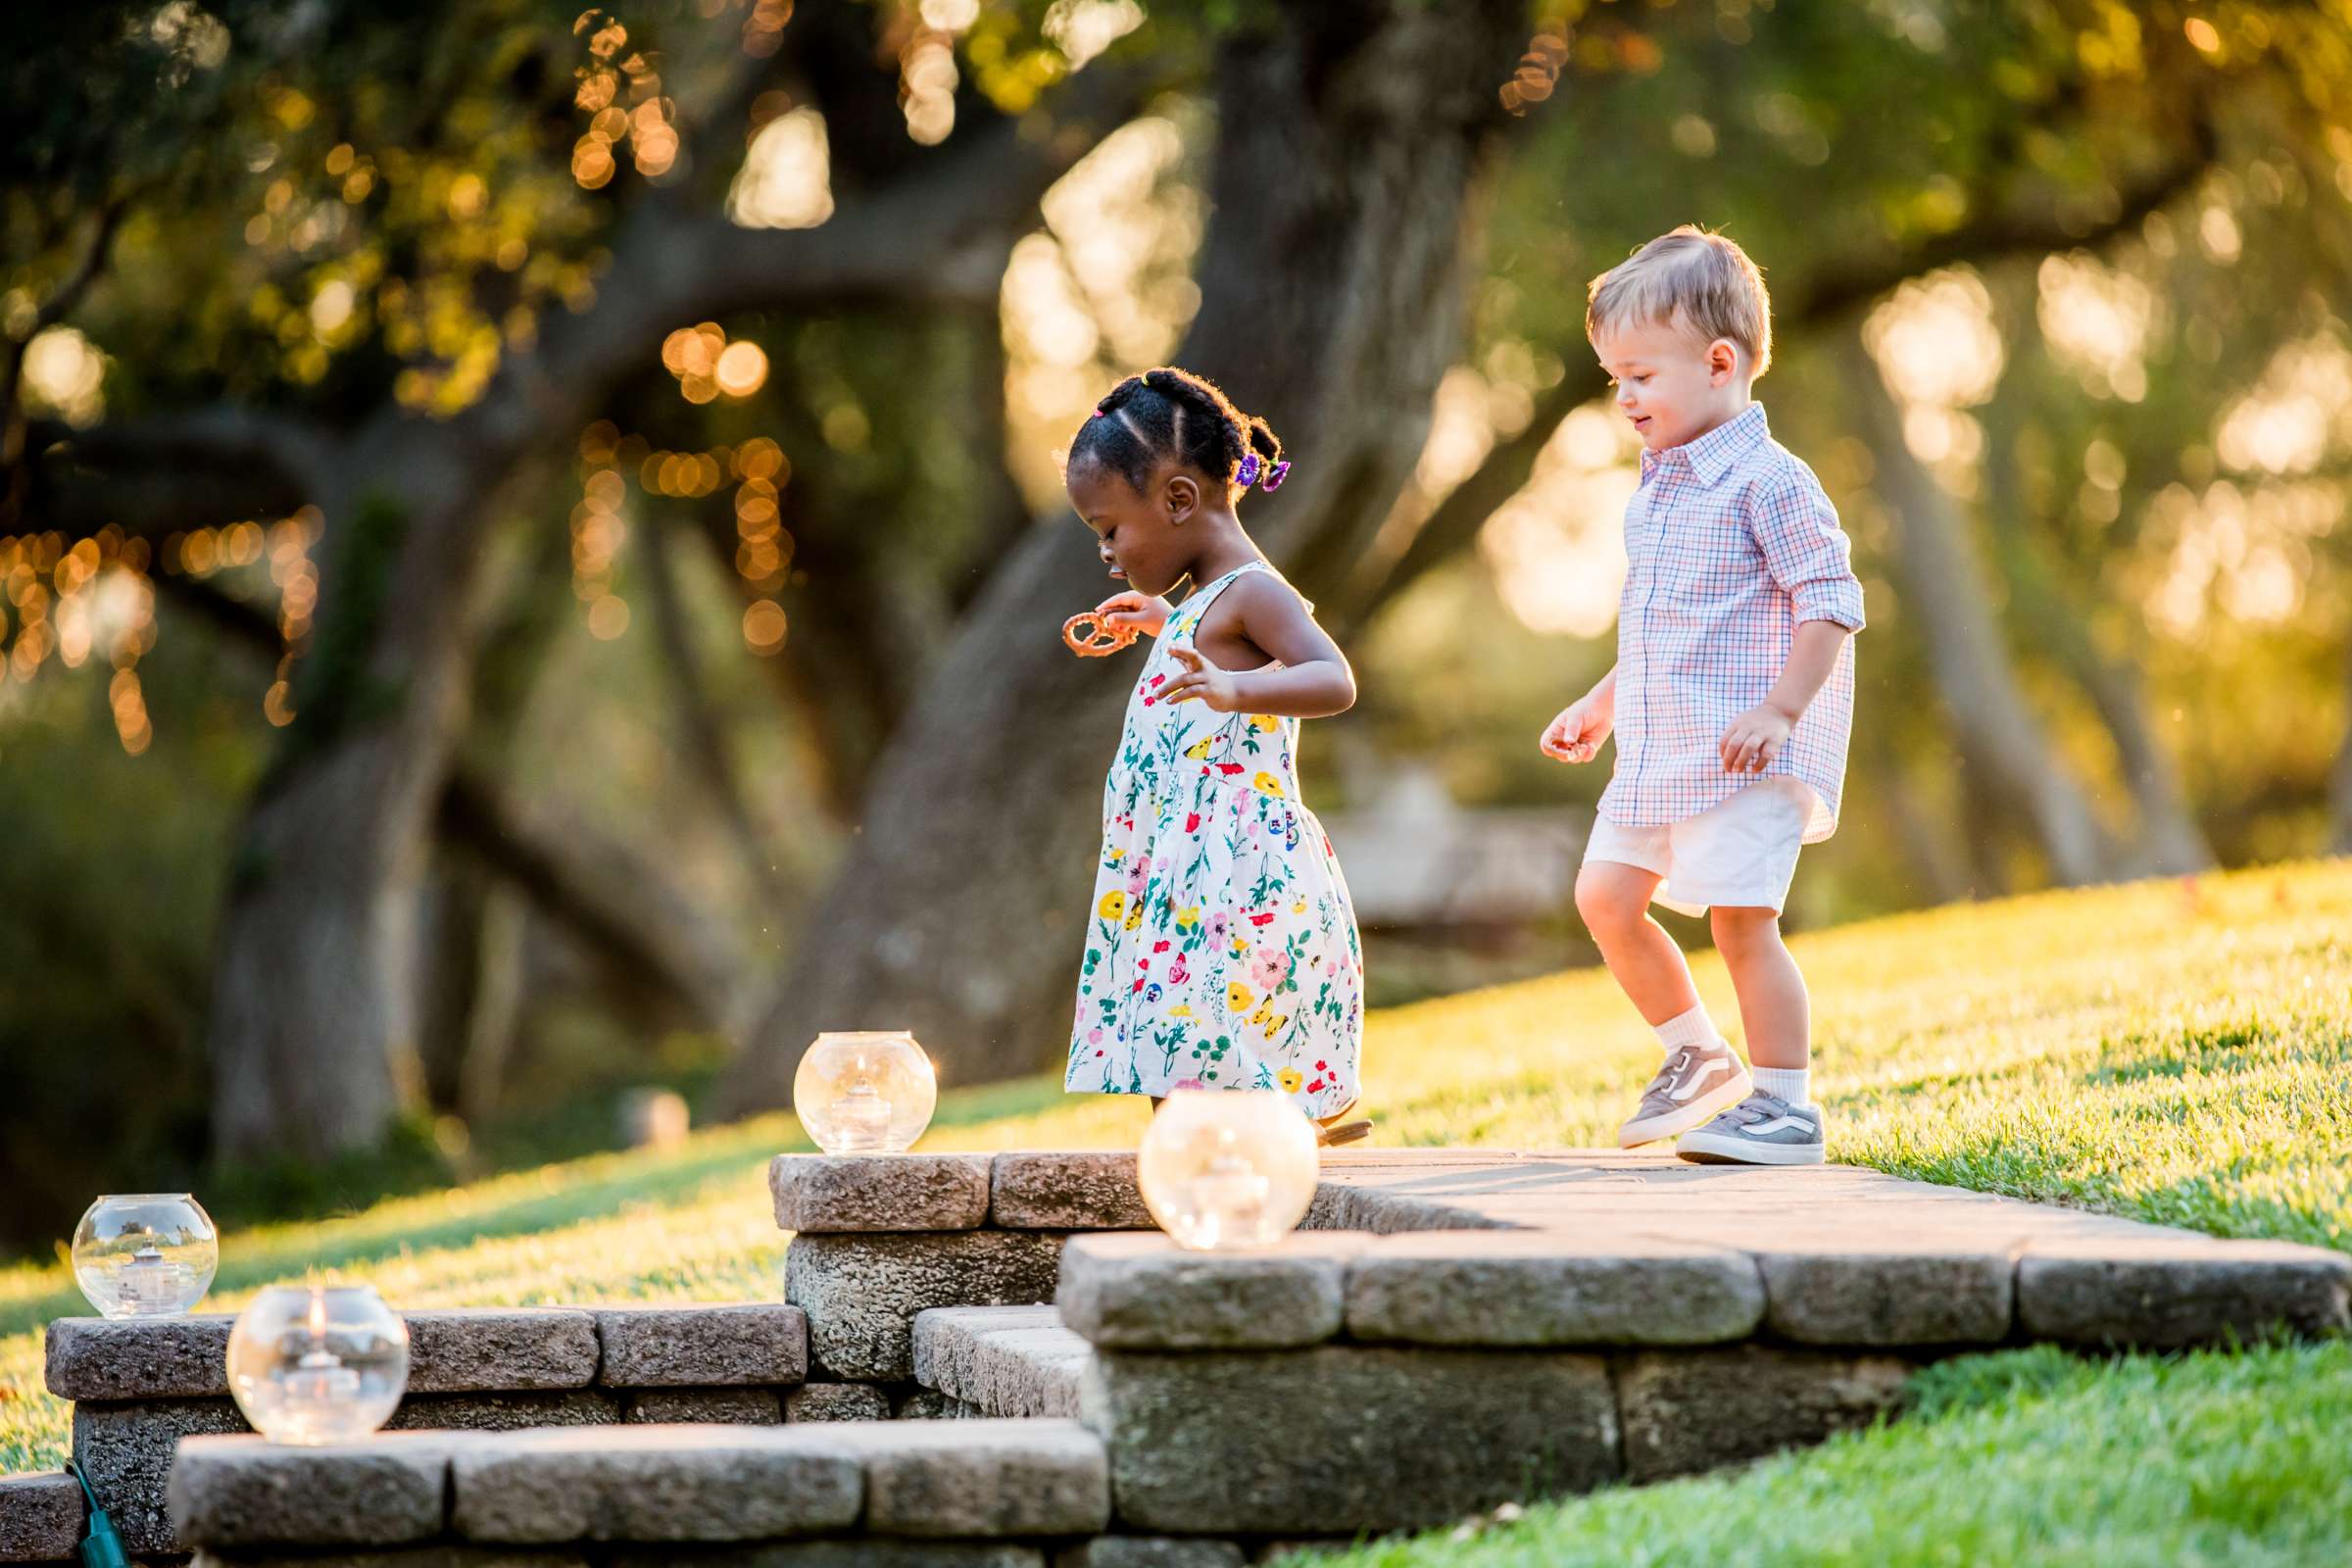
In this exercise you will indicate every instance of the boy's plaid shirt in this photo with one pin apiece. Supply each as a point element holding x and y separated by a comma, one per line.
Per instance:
<point>1730,542</point>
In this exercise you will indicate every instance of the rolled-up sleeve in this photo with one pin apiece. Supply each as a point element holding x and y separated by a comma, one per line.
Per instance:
<point>1806,552</point>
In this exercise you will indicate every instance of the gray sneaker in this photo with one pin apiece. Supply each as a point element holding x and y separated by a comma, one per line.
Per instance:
<point>1761,1130</point>
<point>1696,1083</point>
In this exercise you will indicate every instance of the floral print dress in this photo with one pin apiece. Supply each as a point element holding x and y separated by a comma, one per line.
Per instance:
<point>1221,949</point>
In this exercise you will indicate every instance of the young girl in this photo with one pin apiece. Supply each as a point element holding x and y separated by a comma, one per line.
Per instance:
<point>1221,951</point>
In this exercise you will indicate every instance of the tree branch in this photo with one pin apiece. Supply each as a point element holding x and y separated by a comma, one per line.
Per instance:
<point>615,904</point>
<point>619,907</point>
<point>93,262</point>
<point>154,476</point>
<point>1454,523</point>
<point>705,733</point>
<point>940,236</point>
<point>243,620</point>
<point>1839,289</point>
<point>14,433</point>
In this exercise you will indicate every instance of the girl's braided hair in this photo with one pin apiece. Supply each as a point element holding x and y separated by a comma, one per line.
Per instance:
<point>1167,413</point>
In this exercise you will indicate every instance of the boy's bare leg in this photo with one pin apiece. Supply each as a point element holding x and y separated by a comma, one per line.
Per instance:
<point>1780,1124</point>
<point>1614,900</point>
<point>1701,1076</point>
<point>1773,1003</point>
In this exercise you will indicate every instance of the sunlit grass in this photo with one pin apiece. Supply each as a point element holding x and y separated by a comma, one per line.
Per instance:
<point>2179,1052</point>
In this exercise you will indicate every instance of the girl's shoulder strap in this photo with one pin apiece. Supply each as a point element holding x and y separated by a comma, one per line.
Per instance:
<point>1266,567</point>
<point>1195,604</point>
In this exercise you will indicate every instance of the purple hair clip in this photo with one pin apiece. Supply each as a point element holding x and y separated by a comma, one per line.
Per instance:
<point>1276,474</point>
<point>1246,474</point>
<point>1098,414</point>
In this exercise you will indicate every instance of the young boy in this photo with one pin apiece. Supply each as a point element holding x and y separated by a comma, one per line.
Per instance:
<point>1732,697</point>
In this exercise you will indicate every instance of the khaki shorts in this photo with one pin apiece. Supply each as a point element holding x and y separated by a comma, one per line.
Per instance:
<point>1741,854</point>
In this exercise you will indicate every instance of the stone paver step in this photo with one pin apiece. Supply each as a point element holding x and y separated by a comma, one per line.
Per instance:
<point>1858,1258</point>
<point>966,1480</point>
<point>465,1350</point>
<point>42,1517</point>
<point>1843,1257</point>
<point>1002,1360</point>
<point>140,1385</point>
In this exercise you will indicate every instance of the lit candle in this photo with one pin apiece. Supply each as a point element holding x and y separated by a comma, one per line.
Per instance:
<point>319,1381</point>
<point>1227,1170</point>
<point>150,1282</point>
<point>865,1091</point>
<point>1229,1197</point>
<point>862,1116</point>
<point>318,1364</point>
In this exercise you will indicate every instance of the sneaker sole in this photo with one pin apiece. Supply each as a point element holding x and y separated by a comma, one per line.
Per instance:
<point>1700,1111</point>
<point>1712,1149</point>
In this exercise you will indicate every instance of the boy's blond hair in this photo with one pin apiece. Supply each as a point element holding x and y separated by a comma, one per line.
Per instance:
<point>1706,276</point>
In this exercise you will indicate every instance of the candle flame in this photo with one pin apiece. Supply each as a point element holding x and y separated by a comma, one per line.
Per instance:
<point>318,1317</point>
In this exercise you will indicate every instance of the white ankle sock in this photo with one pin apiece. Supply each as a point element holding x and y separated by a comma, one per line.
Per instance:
<point>1793,1084</point>
<point>1693,1028</point>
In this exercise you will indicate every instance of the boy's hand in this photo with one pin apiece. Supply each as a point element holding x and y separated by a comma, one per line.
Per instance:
<point>1575,735</point>
<point>1202,682</point>
<point>1754,739</point>
<point>1146,612</point>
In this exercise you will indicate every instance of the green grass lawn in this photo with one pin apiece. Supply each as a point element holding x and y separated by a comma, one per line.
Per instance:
<point>2179,1053</point>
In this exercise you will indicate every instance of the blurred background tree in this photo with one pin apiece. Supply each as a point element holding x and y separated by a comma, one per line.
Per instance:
<point>531,540</point>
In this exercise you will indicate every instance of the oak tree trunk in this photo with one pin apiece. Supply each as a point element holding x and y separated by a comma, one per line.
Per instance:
<point>313,1026</point>
<point>1352,146</point>
<point>1947,596</point>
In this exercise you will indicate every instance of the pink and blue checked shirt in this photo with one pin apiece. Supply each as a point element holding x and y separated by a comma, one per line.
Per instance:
<point>1730,542</point>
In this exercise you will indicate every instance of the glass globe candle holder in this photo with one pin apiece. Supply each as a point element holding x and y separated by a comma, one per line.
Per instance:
<point>318,1364</point>
<point>1228,1170</point>
<point>866,1093</point>
<point>145,1255</point>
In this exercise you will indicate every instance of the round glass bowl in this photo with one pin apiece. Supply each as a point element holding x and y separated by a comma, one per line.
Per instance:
<point>867,1093</point>
<point>1228,1170</point>
<point>313,1364</point>
<point>145,1255</point>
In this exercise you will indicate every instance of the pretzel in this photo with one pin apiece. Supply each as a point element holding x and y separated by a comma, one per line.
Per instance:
<point>1090,636</point>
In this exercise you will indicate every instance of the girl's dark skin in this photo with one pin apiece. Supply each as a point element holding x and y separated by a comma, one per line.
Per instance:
<point>1257,648</point>
<point>1263,652</point>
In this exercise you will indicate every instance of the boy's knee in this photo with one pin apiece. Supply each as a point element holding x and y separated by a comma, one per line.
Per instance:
<point>1741,931</point>
<point>1606,900</point>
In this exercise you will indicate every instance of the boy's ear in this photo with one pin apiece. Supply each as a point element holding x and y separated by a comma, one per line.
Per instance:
<point>1723,361</point>
<point>1183,497</point>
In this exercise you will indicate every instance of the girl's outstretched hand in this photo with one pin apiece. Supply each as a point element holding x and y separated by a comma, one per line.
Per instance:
<point>1146,612</point>
<point>1204,682</point>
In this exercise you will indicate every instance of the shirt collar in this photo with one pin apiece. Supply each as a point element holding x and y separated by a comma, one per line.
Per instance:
<point>1713,455</point>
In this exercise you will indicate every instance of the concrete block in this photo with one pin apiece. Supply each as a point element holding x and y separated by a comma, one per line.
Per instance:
<point>653,1484</point>
<point>851,1194</point>
<point>1139,1292</point>
<point>1066,1191</point>
<point>862,1293</point>
<point>749,1344</point>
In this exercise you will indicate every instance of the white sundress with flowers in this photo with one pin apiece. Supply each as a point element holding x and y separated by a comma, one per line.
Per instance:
<point>1221,951</point>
